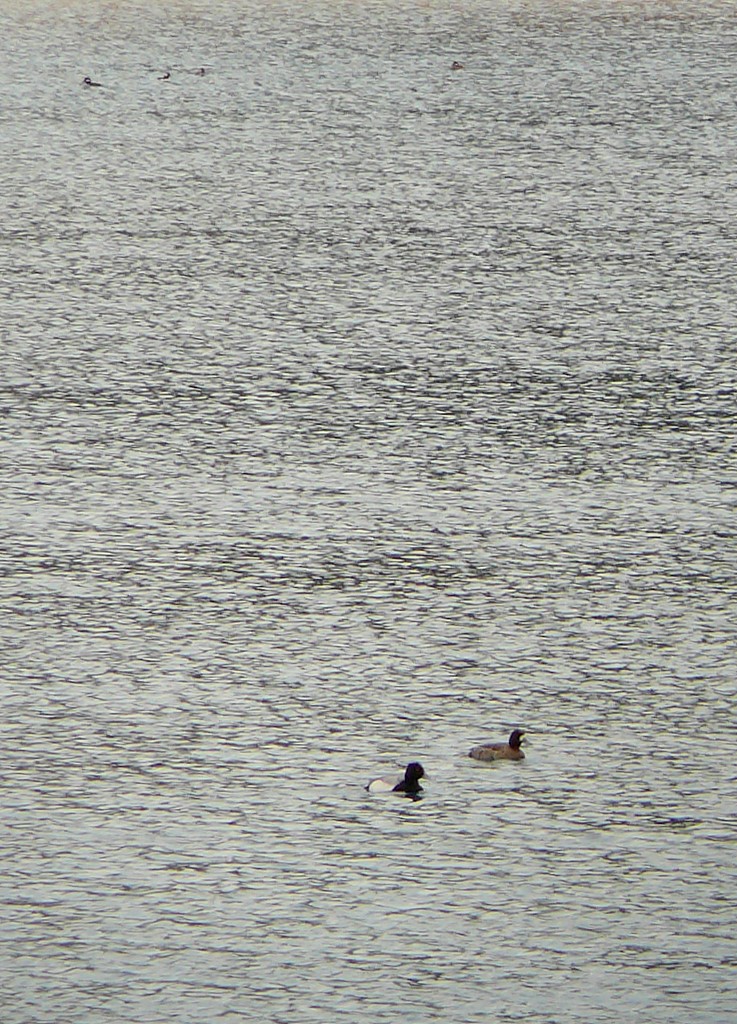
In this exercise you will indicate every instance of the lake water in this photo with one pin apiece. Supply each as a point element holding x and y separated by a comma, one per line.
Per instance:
<point>355,410</point>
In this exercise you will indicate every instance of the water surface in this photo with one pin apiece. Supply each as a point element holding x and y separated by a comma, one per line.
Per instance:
<point>356,410</point>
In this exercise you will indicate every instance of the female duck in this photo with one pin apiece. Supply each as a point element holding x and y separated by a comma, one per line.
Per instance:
<point>408,784</point>
<point>509,751</point>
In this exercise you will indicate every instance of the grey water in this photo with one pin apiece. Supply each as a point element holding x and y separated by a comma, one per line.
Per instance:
<point>355,410</point>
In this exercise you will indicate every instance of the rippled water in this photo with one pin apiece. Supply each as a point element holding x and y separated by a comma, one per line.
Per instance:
<point>354,411</point>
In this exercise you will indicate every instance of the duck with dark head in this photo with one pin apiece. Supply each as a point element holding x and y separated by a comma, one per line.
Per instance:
<point>408,784</point>
<point>509,751</point>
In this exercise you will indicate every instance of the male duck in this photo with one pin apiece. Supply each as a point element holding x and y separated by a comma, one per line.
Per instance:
<point>408,784</point>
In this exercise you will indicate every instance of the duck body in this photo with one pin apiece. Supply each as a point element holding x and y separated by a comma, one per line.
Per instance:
<point>90,84</point>
<point>407,784</point>
<point>509,751</point>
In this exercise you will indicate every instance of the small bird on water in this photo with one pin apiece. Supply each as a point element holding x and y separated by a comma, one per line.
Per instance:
<point>89,83</point>
<point>509,751</point>
<point>409,783</point>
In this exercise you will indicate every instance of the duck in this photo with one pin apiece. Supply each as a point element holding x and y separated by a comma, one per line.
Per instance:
<point>88,82</point>
<point>456,66</point>
<point>165,77</point>
<point>509,751</point>
<point>409,783</point>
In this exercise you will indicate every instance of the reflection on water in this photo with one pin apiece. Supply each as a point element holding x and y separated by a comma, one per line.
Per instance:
<point>356,410</point>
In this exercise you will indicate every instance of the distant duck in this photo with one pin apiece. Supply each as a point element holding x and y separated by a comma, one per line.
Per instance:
<point>165,77</point>
<point>456,66</point>
<point>200,72</point>
<point>89,83</point>
<point>408,784</point>
<point>509,751</point>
